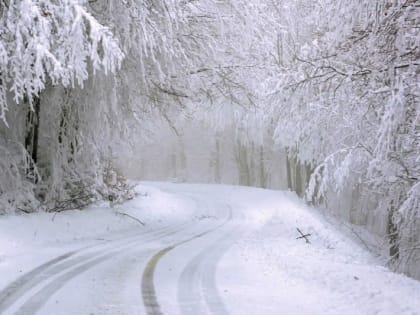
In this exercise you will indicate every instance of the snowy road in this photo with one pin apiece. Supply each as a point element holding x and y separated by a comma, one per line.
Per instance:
<point>204,250</point>
<point>189,278</point>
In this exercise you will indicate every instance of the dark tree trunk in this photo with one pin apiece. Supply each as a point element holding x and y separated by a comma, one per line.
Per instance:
<point>298,178</point>
<point>392,232</point>
<point>31,137</point>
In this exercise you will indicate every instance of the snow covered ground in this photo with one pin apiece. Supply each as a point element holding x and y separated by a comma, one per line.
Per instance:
<point>193,249</point>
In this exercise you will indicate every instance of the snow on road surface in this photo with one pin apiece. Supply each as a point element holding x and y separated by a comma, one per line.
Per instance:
<point>193,249</point>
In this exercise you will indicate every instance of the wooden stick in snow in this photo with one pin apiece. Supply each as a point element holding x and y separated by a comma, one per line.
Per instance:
<point>131,217</point>
<point>302,235</point>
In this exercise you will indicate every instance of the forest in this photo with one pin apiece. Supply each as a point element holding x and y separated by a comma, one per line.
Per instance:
<point>318,97</point>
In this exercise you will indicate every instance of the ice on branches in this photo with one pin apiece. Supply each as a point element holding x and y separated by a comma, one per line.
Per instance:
<point>42,40</point>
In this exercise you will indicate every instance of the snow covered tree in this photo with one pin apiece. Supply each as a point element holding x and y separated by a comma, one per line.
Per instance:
<point>43,44</point>
<point>179,55</point>
<point>349,105</point>
<point>184,58</point>
<point>50,41</point>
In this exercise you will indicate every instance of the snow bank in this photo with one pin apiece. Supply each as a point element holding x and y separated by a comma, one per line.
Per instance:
<point>271,271</point>
<point>23,236</point>
<point>151,204</point>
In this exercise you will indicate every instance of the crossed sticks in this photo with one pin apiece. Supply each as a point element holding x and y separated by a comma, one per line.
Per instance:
<point>302,235</point>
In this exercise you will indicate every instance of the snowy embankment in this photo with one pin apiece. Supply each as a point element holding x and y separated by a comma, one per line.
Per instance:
<point>194,249</point>
<point>271,271</point>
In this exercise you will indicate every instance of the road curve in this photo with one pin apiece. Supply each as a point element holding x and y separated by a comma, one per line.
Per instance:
<point>28,293</point>
<point>196,244</point>
<point>148,289</point>
<point>196,288</point>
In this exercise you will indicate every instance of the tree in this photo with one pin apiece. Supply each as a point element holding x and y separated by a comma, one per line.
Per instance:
<point>44,44</point>
<point>50,41</point>
<point>351,110</point>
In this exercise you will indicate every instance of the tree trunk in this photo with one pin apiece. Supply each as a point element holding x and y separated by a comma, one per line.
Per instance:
<point>31,138</point>
<point>392,233</point>
<point>183,172</point>
<point>263,176</point>
<point>217,172</point>
<point>289,171</point>
<point>298,178</point>
<point>242,163</point>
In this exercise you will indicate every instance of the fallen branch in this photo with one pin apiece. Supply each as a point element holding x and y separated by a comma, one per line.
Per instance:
<point>302,235</point>
<point>78,201</point>
<point>131,217</point>
<point>24,210</point>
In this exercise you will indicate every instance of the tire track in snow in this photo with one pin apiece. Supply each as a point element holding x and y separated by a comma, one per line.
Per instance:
<point>51,267</point>
<point>147,285</point>
<point>21,284</point>
<point>37,300</point>
<point>197,289</point>
<point>41,275</point>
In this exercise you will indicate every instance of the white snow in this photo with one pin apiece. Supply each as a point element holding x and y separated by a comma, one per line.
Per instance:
<point>28,240</point>
<point>272,272</point>
<point>251,252</point>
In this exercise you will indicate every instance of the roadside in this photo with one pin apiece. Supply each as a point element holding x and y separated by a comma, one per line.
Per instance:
<point>271,271</point>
